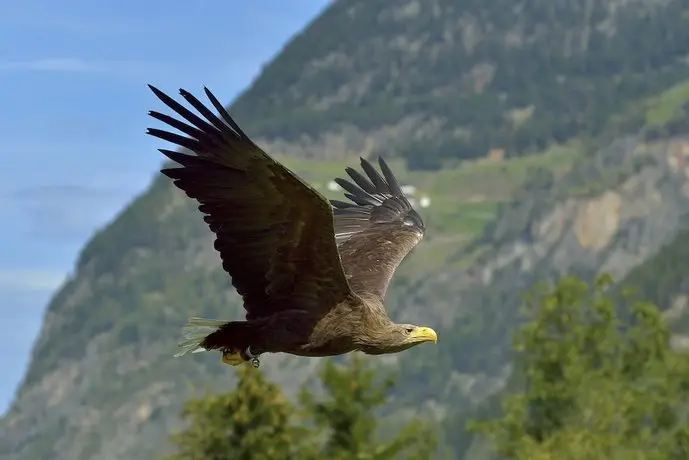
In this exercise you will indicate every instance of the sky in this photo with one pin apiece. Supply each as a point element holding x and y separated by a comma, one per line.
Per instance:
<point>74,101</point>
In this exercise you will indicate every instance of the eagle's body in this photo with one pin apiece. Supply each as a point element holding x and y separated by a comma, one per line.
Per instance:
<point>312,274</point>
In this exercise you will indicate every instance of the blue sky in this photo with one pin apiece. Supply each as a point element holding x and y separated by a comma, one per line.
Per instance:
<point>72,140</point>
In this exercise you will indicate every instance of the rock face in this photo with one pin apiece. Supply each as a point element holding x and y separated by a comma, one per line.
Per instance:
<point>370,77</point>
<point>598,220</point>
<point>615,229</point>
<point>572,227</point>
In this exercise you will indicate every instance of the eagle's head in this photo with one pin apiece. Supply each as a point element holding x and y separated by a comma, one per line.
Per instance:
<point>410,334</point>
<point>399,337</point>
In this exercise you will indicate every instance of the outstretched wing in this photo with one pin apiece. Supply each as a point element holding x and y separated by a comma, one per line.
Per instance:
<point>377,230</point>
<point>273,231</point>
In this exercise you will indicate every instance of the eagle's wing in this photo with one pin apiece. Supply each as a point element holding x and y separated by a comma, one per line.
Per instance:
<point>273,231</point>
<point>377,230</point>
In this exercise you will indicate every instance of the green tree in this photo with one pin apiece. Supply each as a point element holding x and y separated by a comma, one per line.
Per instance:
<point>601,380</point>
<point>254,422</point>
<point>347,414</point>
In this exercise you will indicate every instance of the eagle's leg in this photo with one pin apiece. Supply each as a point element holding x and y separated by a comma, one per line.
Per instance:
<point>232,357</point>
<point>253,358</point>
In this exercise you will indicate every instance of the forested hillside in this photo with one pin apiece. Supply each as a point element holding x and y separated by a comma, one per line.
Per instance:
<point>596,91</point>
<point>457,79</point>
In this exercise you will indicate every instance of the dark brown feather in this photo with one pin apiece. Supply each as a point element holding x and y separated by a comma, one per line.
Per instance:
<point>273,231</point>
<point>376,232</point>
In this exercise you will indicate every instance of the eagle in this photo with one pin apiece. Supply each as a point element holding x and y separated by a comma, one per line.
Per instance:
<point>312,273</point>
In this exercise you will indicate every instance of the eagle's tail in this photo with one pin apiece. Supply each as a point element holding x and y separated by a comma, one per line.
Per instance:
<point>195,331</point>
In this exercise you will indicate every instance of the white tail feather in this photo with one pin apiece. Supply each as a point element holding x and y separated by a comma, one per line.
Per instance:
<point>195,331</point>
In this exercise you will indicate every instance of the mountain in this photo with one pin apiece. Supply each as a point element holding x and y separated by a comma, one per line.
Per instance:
<point>429,84</point>
<point>457,79</point>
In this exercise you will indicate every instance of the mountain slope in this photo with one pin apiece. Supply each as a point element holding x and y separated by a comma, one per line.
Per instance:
<point>102,383</point>
<point>457,79</point>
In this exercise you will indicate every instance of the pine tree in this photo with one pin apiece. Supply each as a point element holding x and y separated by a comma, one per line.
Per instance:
<point>348,415</point>
<point>254,422</point>
<point>601,381</point>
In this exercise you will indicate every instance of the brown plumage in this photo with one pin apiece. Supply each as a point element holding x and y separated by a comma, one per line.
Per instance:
<point>312,274</point>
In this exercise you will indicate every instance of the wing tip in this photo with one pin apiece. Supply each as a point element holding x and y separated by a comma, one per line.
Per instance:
<point>159,93</point>
<point>381,161</point>
<point>381,181</point>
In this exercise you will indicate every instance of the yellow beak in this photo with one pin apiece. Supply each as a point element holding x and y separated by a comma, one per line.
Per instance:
<point>424,334</point>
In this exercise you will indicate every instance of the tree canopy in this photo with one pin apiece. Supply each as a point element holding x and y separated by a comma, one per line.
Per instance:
<point>256,420</point>
<point>347,413</point>
<point>599,379</point>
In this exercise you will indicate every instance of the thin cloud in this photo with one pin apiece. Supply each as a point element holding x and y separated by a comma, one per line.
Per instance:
<point>65,212</point>
<point>53,18</point>
<point>61,192</point>
<point>79,65</point>
<point>30,279</point>
<point>52,65</point>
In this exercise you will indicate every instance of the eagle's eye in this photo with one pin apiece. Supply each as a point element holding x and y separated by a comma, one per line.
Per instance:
<point>409,330</point>
<point>408,221</point>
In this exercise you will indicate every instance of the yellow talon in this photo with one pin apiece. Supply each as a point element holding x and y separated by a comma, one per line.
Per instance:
<point>232,358</point>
